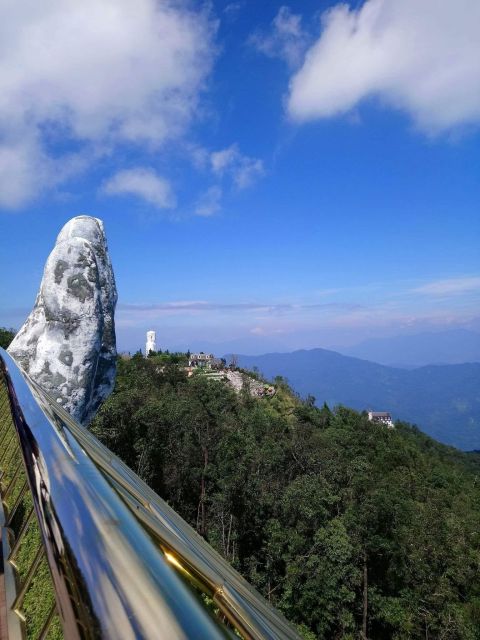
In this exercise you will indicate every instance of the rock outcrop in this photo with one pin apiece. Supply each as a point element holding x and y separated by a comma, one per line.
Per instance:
<point>67,344</point>
<point>239,380</point>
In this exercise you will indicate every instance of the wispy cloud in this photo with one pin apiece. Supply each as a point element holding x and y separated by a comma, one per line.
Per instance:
<point>202,305</point>
<point>308,322</point>
<point>185,306</point>
<point>285,40</point>
<point>243,169</point>
<point>209,202</point>
<point>267,331</point>
<point>232,10</point>
<point>450,286</point>
<point>143,183</point>
<point>420,57</point>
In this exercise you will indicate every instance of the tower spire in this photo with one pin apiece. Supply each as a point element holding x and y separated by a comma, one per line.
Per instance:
<point>151,344</point>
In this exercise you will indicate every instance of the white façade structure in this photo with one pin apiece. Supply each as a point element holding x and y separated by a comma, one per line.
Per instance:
<point>381,417</point>
<point>151,344</point>
<point>203,360</point>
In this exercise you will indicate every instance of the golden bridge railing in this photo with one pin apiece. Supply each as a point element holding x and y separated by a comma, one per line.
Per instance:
<point>28,590</point>
<point>90,551</point>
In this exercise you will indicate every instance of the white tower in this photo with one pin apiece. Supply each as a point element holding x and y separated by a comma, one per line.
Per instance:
<point>151,344</point>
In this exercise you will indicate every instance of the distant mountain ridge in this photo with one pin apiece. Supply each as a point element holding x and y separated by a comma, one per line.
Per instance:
<point>443,400</point>
<point>454,346</point>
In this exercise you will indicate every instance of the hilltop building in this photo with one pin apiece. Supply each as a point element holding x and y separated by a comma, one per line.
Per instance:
<point>151,344</point>
<point>203,360</point>
<point>381,417</point>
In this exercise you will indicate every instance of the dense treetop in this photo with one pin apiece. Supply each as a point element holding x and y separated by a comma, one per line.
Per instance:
<point>6,336</point>
<point>344,525</point>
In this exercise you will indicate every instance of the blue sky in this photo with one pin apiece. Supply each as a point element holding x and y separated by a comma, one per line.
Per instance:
<point>269,175</point>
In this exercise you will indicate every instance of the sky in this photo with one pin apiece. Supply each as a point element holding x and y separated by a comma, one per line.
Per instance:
<point>271,176</point>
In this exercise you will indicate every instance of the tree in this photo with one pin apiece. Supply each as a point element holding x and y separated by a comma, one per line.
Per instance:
<point>6,337</point>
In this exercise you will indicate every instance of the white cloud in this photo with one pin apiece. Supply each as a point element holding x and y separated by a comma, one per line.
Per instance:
<point>232,9</point>
<point>286,39</point>
<point>248,170</point>
<point>267,331</point>
<point>419,56</point>
<point>244,170</point>
<point>450,286</point>
<point>224,159</point>
<point>209,203</point>
<point>143,183</point>
<point>23,169</point>
<point>96,72</point>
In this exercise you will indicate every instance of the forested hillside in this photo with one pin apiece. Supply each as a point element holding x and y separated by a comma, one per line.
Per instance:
<point>444,400</point>
<point>346,526</point>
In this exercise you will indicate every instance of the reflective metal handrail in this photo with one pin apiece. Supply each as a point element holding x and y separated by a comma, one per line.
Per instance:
<point>123,563</point>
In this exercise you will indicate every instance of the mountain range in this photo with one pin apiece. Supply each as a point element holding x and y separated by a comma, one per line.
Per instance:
<point>454,346</point>
<point>442,400</point>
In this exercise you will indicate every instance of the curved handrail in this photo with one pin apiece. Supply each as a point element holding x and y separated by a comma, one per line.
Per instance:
<point>121,559</point>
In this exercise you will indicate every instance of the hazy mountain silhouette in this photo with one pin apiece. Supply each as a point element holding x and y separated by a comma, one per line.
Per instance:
<point>454,346</point>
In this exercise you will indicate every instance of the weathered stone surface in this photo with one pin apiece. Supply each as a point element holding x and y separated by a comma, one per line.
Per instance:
<point>67,344</point>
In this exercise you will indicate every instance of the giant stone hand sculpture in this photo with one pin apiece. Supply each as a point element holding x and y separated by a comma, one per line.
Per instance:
<point>67,344</point>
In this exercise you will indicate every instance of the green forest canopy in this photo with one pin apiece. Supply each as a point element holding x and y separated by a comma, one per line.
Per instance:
<point>344,525</point>
<point>6,336</point>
